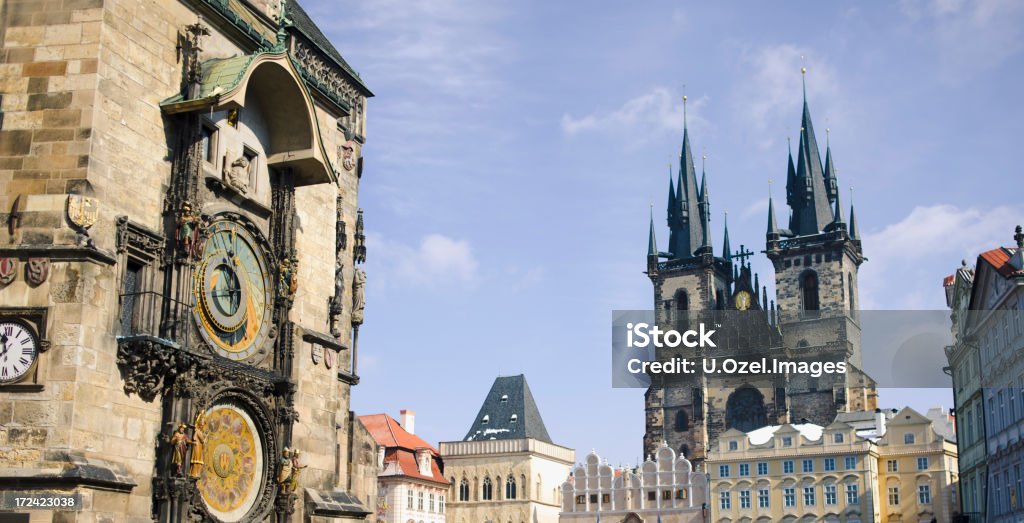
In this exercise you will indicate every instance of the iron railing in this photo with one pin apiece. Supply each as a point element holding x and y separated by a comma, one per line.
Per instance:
<point>150,314</point>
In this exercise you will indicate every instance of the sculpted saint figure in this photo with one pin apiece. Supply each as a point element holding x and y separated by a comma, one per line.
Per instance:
<point>179,448</point>
<point>358,295</point>
<point>237,174</point>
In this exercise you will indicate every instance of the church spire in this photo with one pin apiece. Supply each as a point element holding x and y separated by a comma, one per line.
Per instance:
<point>671,199</point>
<point>773,228</point>
<point>837,216</point>
<point>854,233</point>
<point>726,248</point>
<point>687,228</point>
<point>652,244</point>
<point>810,203</point>
<point>831,183</point>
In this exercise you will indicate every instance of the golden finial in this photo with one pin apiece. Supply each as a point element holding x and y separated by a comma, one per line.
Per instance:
<point>803,70</point>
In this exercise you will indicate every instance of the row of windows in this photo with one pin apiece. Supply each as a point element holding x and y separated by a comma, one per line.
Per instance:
<point>787,441</point>
<point>652,495</point>
<point>1006,406</point>
<point>789,497</point>
<point>487,492</point>
<point>893,465</point>
<point>1008,490</point>
<point>1000,335</point>
<point>924,495</point>
<point>431,507</point>
<point>789,466</point>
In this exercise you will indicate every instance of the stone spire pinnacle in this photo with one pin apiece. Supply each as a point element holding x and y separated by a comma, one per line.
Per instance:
<point>854,233</point>
<point>773,228</point>
<point>726,248</point>
<point>810,202</point>
<point>687,224</point>
<point>831,183</point>
<point>652,244</point>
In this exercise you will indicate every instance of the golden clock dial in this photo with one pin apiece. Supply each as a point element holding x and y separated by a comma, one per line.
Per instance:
<point>231,462</point>
<point>232,290</point>
<point>742,300</point>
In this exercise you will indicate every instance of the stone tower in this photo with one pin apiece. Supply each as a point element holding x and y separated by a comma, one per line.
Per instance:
<point>816,260</point>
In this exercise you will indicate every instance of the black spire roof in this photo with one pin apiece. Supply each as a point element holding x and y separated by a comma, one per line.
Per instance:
<point>508,412</point>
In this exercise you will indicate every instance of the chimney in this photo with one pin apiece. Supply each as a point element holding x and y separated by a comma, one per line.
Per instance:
<point>408,420</point>
<point>879,422</point>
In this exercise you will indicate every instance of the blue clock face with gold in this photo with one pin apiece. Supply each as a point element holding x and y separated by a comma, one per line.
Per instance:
<point>232,290</point>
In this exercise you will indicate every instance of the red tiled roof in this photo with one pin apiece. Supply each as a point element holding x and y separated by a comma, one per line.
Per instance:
<point>948,280</point>
<point>400,447</point>
<point>390,433</point>
<point>999,259</point>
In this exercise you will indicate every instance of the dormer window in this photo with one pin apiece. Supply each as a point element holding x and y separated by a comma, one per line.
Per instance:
<point>908,438</point>
<point>787,441</point>
<point>486,420</point>
<point>733,445</point>
<point>504,398</point>
<point>838,437</point>
<point>514,419</point>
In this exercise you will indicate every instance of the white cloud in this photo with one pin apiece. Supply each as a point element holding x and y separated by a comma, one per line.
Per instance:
<point>438,261</point>
<point>970,35</point>
<point>642,117</point>
<point>923,247</point>
<point>770,100</point>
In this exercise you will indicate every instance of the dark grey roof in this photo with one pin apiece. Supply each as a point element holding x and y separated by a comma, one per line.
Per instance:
<point>305,25</point>
<point>508,412</point>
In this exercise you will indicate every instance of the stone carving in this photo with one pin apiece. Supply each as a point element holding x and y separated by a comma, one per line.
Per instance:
<point>236,175</point>
<point>359,249</point>
<point>284,469</point>
<point>347,153</point>
<point>179,448</point>
<point>329,356</point>
<point>37,270</point>
<point>296,467</point>
<point>358,296</point>
<point>83,211</point>
<point>287,278</point>
<point>317,353</point>
<point>8,270</point>
<point>132,237</point>
<point>148,367</point>
<point>331,79</point>
<point>198,447</point>
<point>334,306</point>
<point>188,231</point>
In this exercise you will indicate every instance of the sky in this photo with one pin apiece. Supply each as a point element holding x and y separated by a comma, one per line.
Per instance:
<point>513,149</point>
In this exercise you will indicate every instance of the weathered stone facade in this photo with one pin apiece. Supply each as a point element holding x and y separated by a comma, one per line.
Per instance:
<point>105,100</point>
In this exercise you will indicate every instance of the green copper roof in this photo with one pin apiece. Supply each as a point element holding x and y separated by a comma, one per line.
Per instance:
<point>220,75</point>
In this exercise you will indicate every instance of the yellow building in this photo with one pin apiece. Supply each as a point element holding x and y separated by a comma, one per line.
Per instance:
<point>864,467</point>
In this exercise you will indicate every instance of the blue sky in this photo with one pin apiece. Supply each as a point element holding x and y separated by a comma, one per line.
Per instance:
<point>513,149</point>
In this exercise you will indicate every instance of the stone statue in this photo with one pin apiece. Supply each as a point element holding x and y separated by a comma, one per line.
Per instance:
<point>237,174</point>
<point>284,471</point>
<point>293,483</point>
<point>198,443</point>
<point>335,308</point>
<point>179,448</point>
<point>187,232</point>
<point>358,296</point>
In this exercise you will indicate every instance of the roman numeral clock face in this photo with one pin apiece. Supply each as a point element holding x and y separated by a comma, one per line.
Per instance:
<point>232,291</point>
<point>19,350</point>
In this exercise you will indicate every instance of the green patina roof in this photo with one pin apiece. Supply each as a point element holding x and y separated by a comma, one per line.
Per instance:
<point>220,75</point>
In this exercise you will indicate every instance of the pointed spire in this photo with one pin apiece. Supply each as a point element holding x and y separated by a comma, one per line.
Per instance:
<point>837,214</point>
<point>854,233</point>
<point>726,249</point>
<point>773,228</point>
<point>791,194</point>
<point>831,183</point>
<point>807,194</point>
<point>671,198</point>
<point>687,227</point>
<point>652,244</point>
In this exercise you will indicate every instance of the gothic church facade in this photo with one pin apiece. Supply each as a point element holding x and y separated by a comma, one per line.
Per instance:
<point>812,317</point>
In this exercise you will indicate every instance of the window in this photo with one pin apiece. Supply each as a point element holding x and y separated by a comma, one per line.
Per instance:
<point>744,499</point>
<point>787,467</point>
<point>681,493</point>
<point>830,464</point>
<point>431,502</point>
<point>209,139</point>
<point>830,495</point>
<point>666,494</point>
<point>723,471</point>
<point>908,438</point>
<point>894,496</point>
<point>593,498</point>
<point>924,494</point>
<point>733,445</point>
<point>789,497</point>
<point>850,462</point>
<point>852,498</point>
<point>510,488</point>
<point>514,419</point>
<point>808,465</point>
<point>809,286</point>
<point>253,162</point>
<point>652,495</point>
<point>725,500</point>
<point>892,466</point>
<point>922,463</point>
<point>683,424</point>
<point>787,441</point>
<point>744,469</point>
<point>606,498</point>
<point>581,499</point>
<point>488,491</point>
<point>464,490</point>
<point>486,420</point>
<point>838,437</point>
<point>809,496</point>
<point>409,502</point>
<point>504,398</point>
<point>762,498</point>
<point>682,301</point>
<point>419,501</point>
<point>440,504</point>
<point>762,468</point>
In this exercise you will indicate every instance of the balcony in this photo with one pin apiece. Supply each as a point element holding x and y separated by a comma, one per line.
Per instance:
<point>154,317</point>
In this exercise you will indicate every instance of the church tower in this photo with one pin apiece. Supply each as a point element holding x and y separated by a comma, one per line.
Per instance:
<point>688,278</point>
<point>816,259</point>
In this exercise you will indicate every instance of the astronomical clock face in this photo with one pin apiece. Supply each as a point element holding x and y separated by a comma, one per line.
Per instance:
<point>233,290</point>
<point>742,300</point>
<point>19,350</point>
<point>232,475</point>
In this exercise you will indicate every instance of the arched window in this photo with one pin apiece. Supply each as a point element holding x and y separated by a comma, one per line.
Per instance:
<point>464,490</point>
<point>510,488</point>
<point>682,422</point>
<point>488,490</point>
<point>682,301</point>
<point>684,450</point>
<point>849,289</point>
<point>809,287</point>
